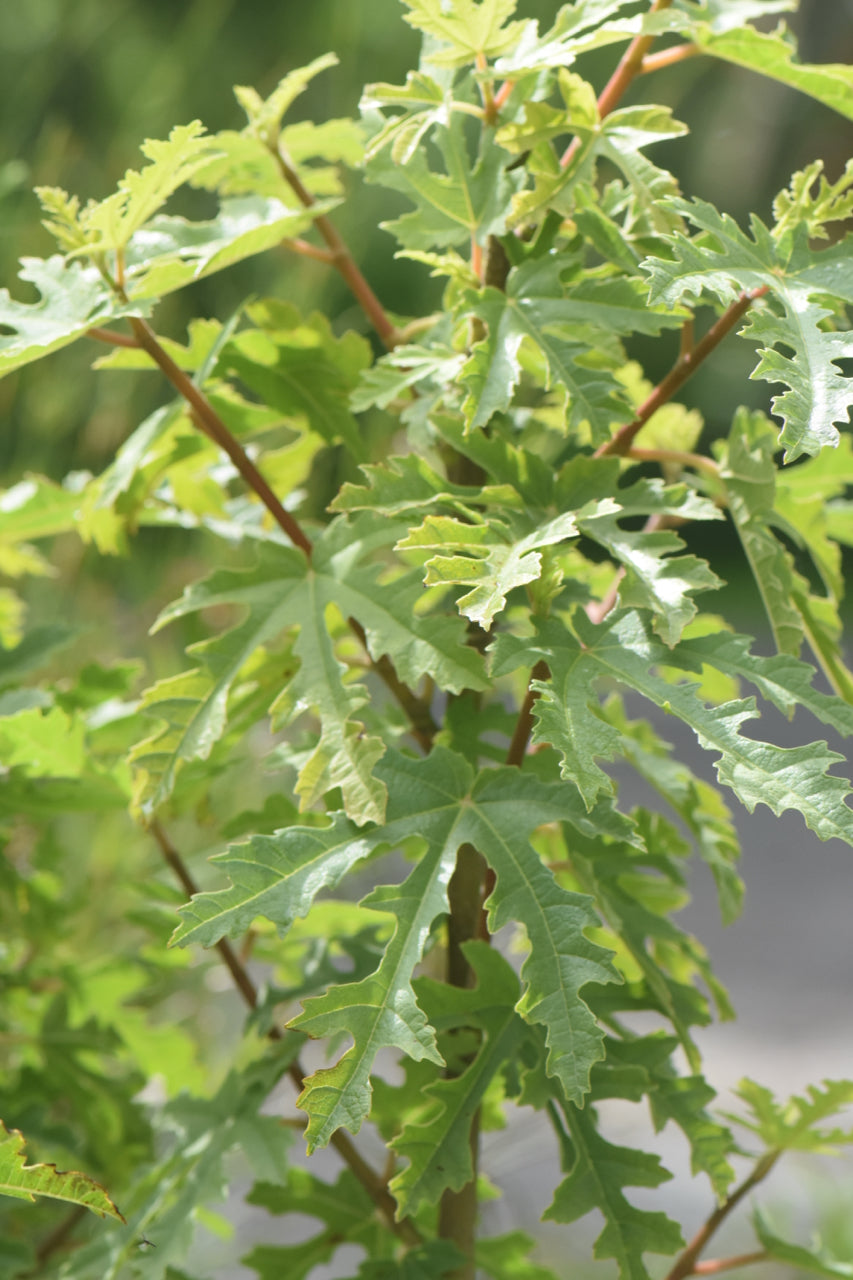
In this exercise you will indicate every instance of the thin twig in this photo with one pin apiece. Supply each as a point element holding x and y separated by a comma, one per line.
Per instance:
<point>524,724</point>
<point>370,1180</point>
<point>308,250</point>
<point>715,1265</point>
<point>217,430</point>
<point>112,339</point>
<point>668,57</point>
<point>684,368</point>
<point>629,68</point>
<point>686,1262</point>
<point>57,1239</point>
<point>696,460</point>
<point>340,255</point>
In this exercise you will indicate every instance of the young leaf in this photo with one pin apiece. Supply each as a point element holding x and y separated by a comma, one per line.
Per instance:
<point>25,1182</point>
<point>793,1125</point>
<point>74,298</point>
<point>623,649</point>
<point>487,559</point>
<point>470,28</point>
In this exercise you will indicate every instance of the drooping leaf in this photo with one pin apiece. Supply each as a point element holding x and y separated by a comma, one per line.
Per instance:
<point>598,1175</point>
<point>26,1182</point>
<point>622,648</point>
<point>816,1260</point>
<point>437,1143</point>
<point>749,477</point>
<point>772,54</point>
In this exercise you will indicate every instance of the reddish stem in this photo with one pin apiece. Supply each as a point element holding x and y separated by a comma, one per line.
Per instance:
<point>668,57</point>
<point>715,1265</point>
<point>341,258</point>
<point>112,339</point>
<point>216,429</point>
<point>308,250</point>
<point>686,1263</point>
<point>684,368</point>
<point>629,67</point>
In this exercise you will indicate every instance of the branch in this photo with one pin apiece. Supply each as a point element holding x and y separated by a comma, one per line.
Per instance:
<point>629,68</point>
<point>308,250</point>
<point>687,1263</point>
<point>112,339</point>
<point>524,724</point>
<point>696,460</point>
<point>685,366</point>
<point>716,1265</point>
<point>373,1184</point>
<point>668,57</point>
<point>340,256</point>
<point>215,428</point>
<point>57,1239</point>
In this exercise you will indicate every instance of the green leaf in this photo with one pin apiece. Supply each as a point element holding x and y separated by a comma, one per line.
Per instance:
<point>265,114</point>
<point>380,1011</point>
<point>725,262</point>
<point>815,1260</point>
<point>622,648</point>
<point>656,577</point>
<point>171,252</point>
<point>748,473</point>
<point>800,203</point>
<point>467,27</point>
<point>598,1175</point>
<point>281,592</point>
<point>533,309</point>
<point>343,1208</point>
<point>424,102</point>
<point>437,1141</point>
<point>774,54</point>
<point>428,1261</point>
<point>794,1125</point>
<point>109,224</point>
<point>26,1182</point>
<point>468,199</point>
<point>507,1257</point>
<point>487,559</point>
<point>300,368</point>
<point>73,298</point>
<point>700,806</point>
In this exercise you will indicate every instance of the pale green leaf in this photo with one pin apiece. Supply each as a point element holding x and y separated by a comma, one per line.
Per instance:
<point>795,1125</point>
<point>171,252</point>
<point>265,114</point>
<point>467,27</point>
<point>26,1182</point>
<point>486,558</point>
<point>507,1257</point>
<point>801,203</point>
<point>73,299</point>
<point>724,262</point>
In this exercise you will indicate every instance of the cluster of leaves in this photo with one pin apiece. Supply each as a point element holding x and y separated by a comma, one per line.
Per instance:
<point>375,649</point>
